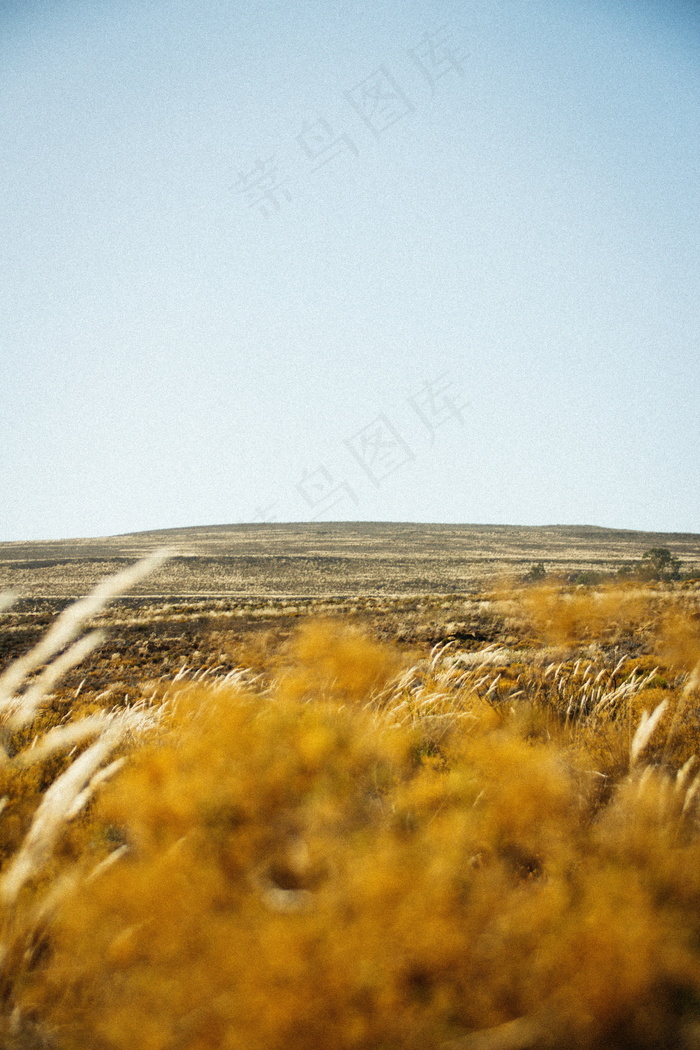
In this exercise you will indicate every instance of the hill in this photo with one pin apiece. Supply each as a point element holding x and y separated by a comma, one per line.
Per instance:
<point>328,558</point>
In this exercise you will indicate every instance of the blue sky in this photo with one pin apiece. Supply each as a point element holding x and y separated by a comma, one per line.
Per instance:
<point>377,260</point>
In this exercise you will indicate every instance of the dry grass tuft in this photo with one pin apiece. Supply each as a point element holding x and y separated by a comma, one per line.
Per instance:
<point>46,785</point>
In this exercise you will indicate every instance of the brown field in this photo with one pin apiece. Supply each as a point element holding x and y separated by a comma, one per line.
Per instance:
<point>373,792</point>
<point>328,559</point>
<point>228,592</point>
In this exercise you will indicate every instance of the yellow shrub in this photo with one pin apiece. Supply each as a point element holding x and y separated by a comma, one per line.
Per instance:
<point>299,877</point>
<point>564,616</point>
<point>316,866</point>
<point>331,660</point>
<point>678,640</point>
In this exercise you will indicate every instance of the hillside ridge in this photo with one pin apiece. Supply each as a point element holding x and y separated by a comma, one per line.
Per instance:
<point>329,557</point>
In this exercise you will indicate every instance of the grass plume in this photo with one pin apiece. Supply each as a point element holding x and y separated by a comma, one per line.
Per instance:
<point>359,848</point>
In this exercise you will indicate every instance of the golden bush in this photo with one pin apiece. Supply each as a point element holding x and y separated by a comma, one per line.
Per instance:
<point>481,850</point>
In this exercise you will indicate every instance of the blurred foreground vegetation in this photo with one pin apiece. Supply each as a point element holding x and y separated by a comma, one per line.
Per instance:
<point>353,844</point>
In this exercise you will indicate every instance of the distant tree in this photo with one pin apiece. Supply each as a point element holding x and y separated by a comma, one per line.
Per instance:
<point>536,573</point>
<point>659,564</point>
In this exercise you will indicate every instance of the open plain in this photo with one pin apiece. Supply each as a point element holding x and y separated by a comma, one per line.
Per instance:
<point>356,786</point>
<point>328,558</point>
<point>230,594</point>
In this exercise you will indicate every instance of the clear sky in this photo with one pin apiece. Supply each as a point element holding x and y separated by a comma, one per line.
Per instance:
<point>395,260</point>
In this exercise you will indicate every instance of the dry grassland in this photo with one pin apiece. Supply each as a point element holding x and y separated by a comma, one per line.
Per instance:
<point>327,559</point>
<point>462,816</point>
